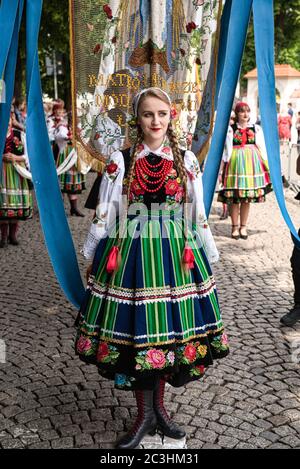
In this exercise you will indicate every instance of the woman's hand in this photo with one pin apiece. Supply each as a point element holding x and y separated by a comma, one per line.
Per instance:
<point>88,272</point>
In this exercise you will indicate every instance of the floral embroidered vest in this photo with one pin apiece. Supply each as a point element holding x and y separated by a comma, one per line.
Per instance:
<point>243,137</point>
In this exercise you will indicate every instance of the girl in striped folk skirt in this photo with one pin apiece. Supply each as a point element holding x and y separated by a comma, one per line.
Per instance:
<point>15,194</point>
<point>151,313</point>
<point>72,182</point>
<point>246,172</point>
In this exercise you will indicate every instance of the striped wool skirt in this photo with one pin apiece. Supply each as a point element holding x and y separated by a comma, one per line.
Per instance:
<point>72,181</point>
<point>246,177</point>
<point>151,318</point>
<point>15,194</point>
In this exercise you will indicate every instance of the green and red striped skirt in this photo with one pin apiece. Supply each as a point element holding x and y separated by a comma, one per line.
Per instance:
<point>15,194</point>
<point>246,178</point>
<point>151,318</point>
<point>72,181</point>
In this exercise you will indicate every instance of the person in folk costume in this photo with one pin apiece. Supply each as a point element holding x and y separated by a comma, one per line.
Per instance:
<point>72,181</point>
<point>15,194</point>
<point>57,116</point>
<point>150,315</point>
<point>246,176</point>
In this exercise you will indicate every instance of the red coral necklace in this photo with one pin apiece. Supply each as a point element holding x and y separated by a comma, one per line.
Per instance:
<point>144,169</point>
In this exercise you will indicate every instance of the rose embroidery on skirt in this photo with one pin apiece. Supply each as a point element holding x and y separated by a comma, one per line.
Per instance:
<point>191,352</point>
<point>220,343</point>
<point>107,353</point>
<point>154,359</point>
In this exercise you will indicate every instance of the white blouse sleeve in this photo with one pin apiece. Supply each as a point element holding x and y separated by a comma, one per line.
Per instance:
<point>228,145</point>
<point>109,205</point>
<point>260,141</point>
<point>197,210</point>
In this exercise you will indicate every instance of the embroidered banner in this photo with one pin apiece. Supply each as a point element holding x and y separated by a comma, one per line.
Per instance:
<point>122,46</point>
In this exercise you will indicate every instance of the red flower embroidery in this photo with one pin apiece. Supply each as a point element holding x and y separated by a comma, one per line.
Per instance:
<point>97,136</point>
<point>166,150</point>
<point>20,212</point>
<point>190,175</point>
<point>136,188</point>
<point>190,352</point>
<point>179,194</point>
<point>171,187</point>
<point>190,26</point>
<point>97,48</point>
<point>173,113</point>
<point>10,213</point>
<point>114,39</point>
<point>111,168</point>
<point>200,368</point>
<point>107,10</point>
<point>140,147</point>
<point>102,351</point>
<point>173,173</point>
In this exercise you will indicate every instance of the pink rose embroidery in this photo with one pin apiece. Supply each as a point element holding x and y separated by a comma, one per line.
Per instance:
<point>224,339</point>
<point>156,358</point>
<point>83,344</point>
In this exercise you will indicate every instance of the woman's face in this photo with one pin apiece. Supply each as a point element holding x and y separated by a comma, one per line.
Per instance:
<point>243,116</point>
<point>154,118</point>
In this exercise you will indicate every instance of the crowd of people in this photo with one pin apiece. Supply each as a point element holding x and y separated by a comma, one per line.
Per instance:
<point>15,184</point>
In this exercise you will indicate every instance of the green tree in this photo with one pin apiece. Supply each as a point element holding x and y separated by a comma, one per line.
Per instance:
<point>287,38</point>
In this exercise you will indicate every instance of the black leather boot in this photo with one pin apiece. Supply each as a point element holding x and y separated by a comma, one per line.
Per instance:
<point>74,210</point>
<point>4,235</point>
<point>165,424</point>
<point>13,227</point>
<point>146,421</point>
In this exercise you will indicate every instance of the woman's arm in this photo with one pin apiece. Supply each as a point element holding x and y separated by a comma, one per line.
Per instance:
<point>197,212</point>
<point>110,195</point>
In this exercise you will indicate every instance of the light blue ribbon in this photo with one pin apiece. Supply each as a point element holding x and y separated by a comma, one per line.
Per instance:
<point>228,73</point>
<point>10,21</point>
<point>52,215</point>
<point>263,19</point>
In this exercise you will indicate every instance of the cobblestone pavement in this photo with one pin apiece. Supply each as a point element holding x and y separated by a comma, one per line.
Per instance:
<point>251,399</point>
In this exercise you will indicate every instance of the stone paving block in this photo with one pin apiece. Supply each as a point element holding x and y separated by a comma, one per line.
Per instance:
<point>70,430</point>
<point>11,443</point>
<point>63,443</point>
<point>83,440</point>
<point>227,442</point>
<point>80,417</point>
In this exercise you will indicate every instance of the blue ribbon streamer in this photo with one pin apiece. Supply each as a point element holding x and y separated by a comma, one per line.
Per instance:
<point>237,32</point>
<point>263,19</point>
<point>53,219</point>
<point>10,19</point>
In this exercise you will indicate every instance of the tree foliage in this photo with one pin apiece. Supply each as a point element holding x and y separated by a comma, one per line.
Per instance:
<point>287,37</point>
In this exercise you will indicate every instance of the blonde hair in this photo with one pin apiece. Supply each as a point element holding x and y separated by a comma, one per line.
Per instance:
<point>178,159</point>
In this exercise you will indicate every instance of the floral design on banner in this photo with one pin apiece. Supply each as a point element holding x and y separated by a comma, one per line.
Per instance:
<point>220,343</point>
<point>191,352</point>
<point>107,353</point>
<point>154,359</point>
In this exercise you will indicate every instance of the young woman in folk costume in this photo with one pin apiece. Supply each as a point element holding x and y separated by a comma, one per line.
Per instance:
<point>151,313</point>
<point>72,182</point>
<point>246,176</point>
<point>15,195</point>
